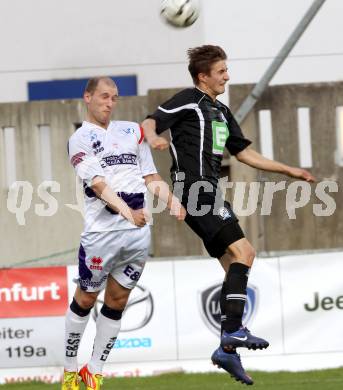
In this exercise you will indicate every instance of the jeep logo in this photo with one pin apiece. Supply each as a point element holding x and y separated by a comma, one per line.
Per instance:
<point>324,303</point>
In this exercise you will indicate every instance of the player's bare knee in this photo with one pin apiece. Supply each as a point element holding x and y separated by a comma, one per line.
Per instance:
<point>242,251</point>
<point>117,302</point>
<point>250,255</point>
<point>86,299</point>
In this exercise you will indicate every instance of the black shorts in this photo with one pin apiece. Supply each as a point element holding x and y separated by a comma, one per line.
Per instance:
<point>227,235</point>
<point>218,228</point>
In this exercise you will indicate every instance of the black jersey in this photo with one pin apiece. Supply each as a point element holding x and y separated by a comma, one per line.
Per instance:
<point>200,129</point>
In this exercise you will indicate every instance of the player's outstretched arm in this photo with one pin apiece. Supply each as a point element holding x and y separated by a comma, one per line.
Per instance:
<point>155,141</point>
<point>105,193</point>
<point>254,159</point>
<point>160,188</point>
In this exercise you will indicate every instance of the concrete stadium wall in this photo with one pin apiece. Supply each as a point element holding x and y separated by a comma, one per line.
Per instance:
<point>59,233</point>
<point>55,239</point>
<point>278,232</point>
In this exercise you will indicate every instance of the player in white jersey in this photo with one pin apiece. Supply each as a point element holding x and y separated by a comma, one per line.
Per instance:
<point>116,167</point>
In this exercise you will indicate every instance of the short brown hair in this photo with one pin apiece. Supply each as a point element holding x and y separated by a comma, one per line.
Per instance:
<point>202,58</point>
<point>94,81</point>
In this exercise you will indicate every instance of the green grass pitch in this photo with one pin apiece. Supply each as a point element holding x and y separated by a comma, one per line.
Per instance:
<point>311,380</point>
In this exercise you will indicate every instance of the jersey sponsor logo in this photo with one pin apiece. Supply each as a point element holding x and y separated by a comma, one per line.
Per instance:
<point>121,159</point>
<point>33,292</point>
<point>129,130</point>
<point>220,134</point>
<point>77,158</point>
<point>93,136</point>
<point>96,263</point>
<point>209,302</point>
<point>97,148</point>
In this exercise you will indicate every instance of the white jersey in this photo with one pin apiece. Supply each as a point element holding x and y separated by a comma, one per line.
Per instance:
<point>120,156</point>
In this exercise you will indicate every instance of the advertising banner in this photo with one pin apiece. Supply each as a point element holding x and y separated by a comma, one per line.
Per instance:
<point>32,303</point>
<point>31,342</point>
<point>33,292</point>
<point>312,303</point>
<point>172,320</point>
<point>198,309</point>
<point>148,331</point>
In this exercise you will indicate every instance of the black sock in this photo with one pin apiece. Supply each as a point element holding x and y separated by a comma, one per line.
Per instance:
<point>110,313</point>
<point>222,302</point>
<point>77,309</point>
<point>235,296</point>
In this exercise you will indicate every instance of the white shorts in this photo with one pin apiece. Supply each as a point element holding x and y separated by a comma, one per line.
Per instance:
<point>120,253</point>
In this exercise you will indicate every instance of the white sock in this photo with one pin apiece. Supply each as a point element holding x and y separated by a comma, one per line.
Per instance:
<point>74,328</point>
<point>106,333</point>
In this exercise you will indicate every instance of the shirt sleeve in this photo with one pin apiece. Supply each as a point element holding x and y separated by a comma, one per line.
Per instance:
<point>82,158</point>
<point>236,141</point>
<point>139,132</point>
<point>145,159</point>
<point>170,112</point>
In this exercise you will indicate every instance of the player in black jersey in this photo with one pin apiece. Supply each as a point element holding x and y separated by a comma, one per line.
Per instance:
<point>200,128</point>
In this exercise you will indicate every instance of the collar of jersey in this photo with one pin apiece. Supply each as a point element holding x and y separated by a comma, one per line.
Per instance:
<point>206,94</point>
<point>93,125</point>
<point>217,102</point>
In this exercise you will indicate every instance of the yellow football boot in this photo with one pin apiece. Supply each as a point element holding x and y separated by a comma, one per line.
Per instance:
<point>70,381</point>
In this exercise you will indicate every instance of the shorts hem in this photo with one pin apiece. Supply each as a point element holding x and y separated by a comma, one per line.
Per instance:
<point>224,237</point>
<point>121,281</point>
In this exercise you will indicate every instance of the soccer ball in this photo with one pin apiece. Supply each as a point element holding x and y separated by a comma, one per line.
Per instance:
<point>180,13</point>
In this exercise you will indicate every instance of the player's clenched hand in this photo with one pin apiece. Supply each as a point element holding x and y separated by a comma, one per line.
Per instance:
<point>301,174</point>
<point>178,210</point>
<point>138,217</point>
<point>147,215</point>
<point>159,143</point>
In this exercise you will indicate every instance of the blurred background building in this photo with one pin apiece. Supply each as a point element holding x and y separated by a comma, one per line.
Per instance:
<point>64,40</point>
<point>53,47</point>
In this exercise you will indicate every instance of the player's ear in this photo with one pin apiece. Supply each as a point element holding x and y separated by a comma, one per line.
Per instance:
<point>87,97</point>
<point>202,77</point>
